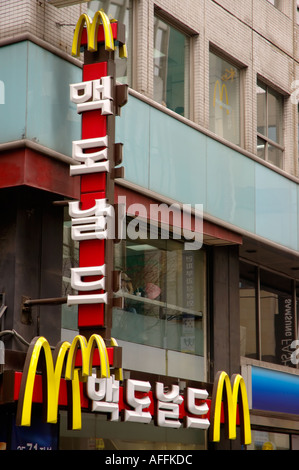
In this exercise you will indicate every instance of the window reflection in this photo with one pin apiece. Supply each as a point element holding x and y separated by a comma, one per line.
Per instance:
<point>224,99</point>
<point>267,315</point>
<point>269,125</point>
<point>277,318</point>
<point>171,68</point>
<point>261,97</point>
<point>120,10</point>
<point>248,318</point>
<point>163,289</point>
<point>69,314</point>
<point>275,155</point>
<point>274,117</point>
<point>264,440</point>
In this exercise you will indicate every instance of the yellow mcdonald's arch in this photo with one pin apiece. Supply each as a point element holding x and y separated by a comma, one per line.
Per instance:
<point>92,34</point>
<point>64,354</point>
<point>230,391</point>
<point>87,349</point>
<point>222,90</point>
<point>117,372</point>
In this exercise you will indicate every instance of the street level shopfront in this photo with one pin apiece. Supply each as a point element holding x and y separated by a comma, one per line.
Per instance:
<point>268,345</point>
<point>134,307</point>
<point>152,328</point>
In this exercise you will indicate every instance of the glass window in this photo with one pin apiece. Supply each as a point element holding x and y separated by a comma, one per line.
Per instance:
<point>122,11</point>
<point>269,125</point>
<point>267,315</point>
<point>225,99</point>
<point>264,440</point>
<point>69,314</point>
<point>248,313</point>
<point>277,318</point>
<point>171,67</point>
<point>163,286</point>
<point>98,434</point>
<point>277,4</point>
<point>274,2</point>
<point>164,292</point>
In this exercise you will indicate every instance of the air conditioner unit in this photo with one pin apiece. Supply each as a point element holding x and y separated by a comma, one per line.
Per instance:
<point>65,3</point>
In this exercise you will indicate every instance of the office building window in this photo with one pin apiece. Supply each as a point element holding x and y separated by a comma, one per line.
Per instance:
<point>277,4</point>
<point>267,315</point>
<point>225,99</point>
<point>122,11</point>
<point>171,67</point>
<point>281,5</point>
<point>269,125</point>
<point>248,312</point>
<point>163,287</point>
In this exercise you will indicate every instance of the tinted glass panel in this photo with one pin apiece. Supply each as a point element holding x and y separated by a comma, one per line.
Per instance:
<point>224,99</point>
<point>171,68</point>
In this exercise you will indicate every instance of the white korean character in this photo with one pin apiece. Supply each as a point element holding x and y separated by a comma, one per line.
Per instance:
<point>89,228</point>
<point>102,89</point>
<point>94,162</point>
<point>78,284</point>
<point>84,299</point>
<point>81,92</point>
<point>139,404</point>
<point>100,92</point>
<point>168,406</point>
<point>197,410</point>
<point>104,394</point>
<point>78,273</point>
<point>97,225</point>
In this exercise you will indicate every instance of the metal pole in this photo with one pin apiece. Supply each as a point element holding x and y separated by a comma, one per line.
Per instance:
<point>52,301</point>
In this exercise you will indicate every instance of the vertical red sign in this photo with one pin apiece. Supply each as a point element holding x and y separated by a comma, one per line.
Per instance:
<point>98,99</point>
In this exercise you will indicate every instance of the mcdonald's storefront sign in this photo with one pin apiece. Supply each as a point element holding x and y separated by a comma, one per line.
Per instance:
<point>85,375</point>
<point>87,33</point>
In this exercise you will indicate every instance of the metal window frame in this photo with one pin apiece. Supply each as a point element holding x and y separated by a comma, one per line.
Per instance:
<point>257,283</point>
<point>266,138</point>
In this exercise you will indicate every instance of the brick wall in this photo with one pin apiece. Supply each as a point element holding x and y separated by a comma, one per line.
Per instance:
<point>46,22</point>
<point>261,38</point>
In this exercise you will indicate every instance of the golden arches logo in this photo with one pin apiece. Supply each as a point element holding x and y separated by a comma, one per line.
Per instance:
<point>231,392</point>
<point>222,90</point>
<point>92,34</point>
<point>64,355</point>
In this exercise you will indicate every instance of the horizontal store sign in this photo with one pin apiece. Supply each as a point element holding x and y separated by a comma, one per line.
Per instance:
<point>272,390</point>
<point>84,375</point>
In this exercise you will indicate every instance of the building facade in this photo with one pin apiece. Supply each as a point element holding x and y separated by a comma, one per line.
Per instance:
<point>211,121</point>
